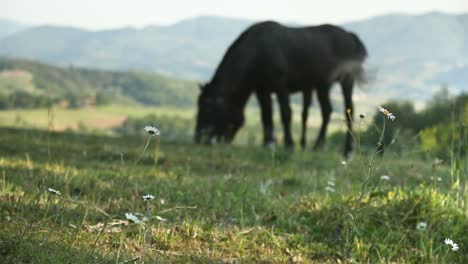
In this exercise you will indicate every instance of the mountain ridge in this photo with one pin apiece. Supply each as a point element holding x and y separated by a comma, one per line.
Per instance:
<point>407,50</point>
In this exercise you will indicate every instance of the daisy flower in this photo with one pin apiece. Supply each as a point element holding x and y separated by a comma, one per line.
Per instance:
<point>53,191</point>
<point>133,218</point>
<point>161,219</point>
<point>362,115</point>
<point>421,226</point>
<point>385,177</point>
<point>152,130</point>
<point>148,197</point>
<point>387,113</point>
<point>449,242</point>
<point>329,189</point>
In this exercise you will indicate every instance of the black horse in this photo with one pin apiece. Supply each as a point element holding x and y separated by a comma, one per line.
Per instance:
<point>271,58</point>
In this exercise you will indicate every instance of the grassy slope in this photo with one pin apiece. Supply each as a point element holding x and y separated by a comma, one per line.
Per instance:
<point>229,217</point>
<point>57,82</point>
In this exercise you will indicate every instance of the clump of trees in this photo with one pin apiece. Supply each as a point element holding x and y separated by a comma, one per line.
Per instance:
<point>22,99</point>
<point>439,129</point>
<point>25,100</point>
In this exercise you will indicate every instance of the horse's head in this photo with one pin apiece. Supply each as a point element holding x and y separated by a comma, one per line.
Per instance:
<point>216,118</point>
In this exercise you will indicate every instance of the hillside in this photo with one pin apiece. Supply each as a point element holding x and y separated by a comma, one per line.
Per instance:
<point>189,49</point>
<point>38,80</point>
<point>407,51</point>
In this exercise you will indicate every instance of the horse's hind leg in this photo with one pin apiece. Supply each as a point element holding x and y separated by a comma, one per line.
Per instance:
<point>347,88</point>
<point>264,100</point>
<point>306,99</point>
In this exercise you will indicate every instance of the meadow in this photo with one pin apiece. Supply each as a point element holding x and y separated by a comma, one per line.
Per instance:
<point>75,197</point>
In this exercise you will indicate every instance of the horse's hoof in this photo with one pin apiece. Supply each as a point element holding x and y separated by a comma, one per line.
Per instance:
<point>348,156</point>
<point>270,145</point>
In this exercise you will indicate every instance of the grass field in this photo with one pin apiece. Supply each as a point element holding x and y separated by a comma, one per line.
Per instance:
<point>101,117</point>
<point>222,204</point>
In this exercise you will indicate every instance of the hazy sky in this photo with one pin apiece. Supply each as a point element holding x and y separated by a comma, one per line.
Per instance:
<point>104,14</point>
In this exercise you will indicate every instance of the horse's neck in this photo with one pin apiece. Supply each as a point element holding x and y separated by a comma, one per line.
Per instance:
<point>231,89</point>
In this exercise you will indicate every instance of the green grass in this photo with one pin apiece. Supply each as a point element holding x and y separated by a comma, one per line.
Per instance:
<point>223,204</point>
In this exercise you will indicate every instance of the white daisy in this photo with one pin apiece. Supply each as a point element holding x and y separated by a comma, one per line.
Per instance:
<point>148,197</point>
<point>421,226</point>
<point>362,115</point>
<point>331,183</point>
<point>162,201</point>
<point>53,191</point>
<point>387,113</point>
<point>385,177</point>
<point>448,241</point>
<point>161,219</point>
<point>152,130</point>
<point>329,189</point>
<point>133,218</point>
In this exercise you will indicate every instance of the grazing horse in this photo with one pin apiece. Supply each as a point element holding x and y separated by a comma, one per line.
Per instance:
<point>271,58</point>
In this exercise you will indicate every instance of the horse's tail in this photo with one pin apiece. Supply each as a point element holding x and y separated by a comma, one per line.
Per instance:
<point>361,73</point>
<point>360,51</point>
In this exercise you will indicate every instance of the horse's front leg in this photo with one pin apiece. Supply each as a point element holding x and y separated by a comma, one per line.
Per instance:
<point>266,108</point>
<point>286,114</point>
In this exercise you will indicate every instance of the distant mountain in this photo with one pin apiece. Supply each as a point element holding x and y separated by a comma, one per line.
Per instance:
<point>8,27</point>
<point>189,49</point>
<point>408,51</point>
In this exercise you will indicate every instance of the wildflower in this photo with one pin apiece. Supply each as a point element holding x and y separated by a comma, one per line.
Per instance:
<point>448,241</point>
<point>53,191</point>
<point>161,219</point>
<point>152,130</point>
<point>362,115</point>
<point>331,183</point>
<point>148,197</point>
<point>439,179</point>
<point>387,113</point>
<point>385,177</point>
<point>344,163</point>
<point>438,161</point>
<point>329,189</point>
<point>162,201</point>
<point>133,218</point>
<point>421,226</point>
